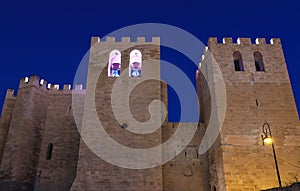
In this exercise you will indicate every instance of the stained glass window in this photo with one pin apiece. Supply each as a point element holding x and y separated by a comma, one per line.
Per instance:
<point>114,66</point>
<point>135,65</point>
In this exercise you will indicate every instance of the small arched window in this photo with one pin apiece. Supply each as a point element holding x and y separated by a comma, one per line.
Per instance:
<point>259,64</point>
<point>135,64</point>
<point>114,63</point>
<point>238,61</point>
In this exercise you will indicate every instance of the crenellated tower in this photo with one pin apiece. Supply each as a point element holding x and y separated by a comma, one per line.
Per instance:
<point>39,137</point>
<point>50,140</point>
<point>23,144</point>
<point>60,145</point>
<point>258,90</point>
<point>109,59</point>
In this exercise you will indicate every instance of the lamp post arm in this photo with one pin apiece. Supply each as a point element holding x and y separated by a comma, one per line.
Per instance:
<point>276,165</point>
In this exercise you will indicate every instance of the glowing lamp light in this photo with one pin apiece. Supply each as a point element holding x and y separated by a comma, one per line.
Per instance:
<point>268,140</point>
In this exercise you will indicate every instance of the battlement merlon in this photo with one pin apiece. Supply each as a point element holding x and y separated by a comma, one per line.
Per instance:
<point>37,82</point>
<point>155,40</point>
<point>10,93</point>
<point>213,41</point>
<point>34,80</point>
<point>67,89</point>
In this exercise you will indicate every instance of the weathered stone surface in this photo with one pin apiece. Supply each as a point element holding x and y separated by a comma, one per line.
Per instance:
<point>39,118</point>
<point>21,153</point>
<point>253,98</point>
<point>7,111</point>
<point>93,173</point>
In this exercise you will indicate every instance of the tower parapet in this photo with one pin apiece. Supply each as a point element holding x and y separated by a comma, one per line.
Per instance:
<point>154,40</point>
<point>246,61</point>
<point>33,81</point>
<point>243,41</point>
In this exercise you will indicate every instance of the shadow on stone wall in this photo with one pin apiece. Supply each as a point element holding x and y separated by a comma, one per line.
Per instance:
<point>293,187</point>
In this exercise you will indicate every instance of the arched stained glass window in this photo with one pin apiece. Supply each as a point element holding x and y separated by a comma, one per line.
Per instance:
<point>114,66</point>
<point>135,64</point>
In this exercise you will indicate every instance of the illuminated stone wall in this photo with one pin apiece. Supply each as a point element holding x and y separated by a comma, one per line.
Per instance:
<point>253,98</point>
<point>93,173</point>
<point>41,115</point>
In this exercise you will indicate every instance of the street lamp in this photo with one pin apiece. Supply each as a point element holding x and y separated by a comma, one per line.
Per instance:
<point>267,139</point>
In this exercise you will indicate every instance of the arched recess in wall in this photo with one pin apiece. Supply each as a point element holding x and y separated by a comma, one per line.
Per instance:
<point>258,60</point>
<point>114,63</point>
<point>135,63</point>
<point>238,61</point>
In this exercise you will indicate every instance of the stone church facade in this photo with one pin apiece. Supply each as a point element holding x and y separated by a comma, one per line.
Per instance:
<point>41,147</point>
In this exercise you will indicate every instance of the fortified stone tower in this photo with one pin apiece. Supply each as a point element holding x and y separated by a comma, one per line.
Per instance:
<point>185,172</point>
<point>93,173</point>
<point>39,138</point>
<point>21,153</point>
<point>60,145</point>
<point>40,145</point>
<point>258,90</point>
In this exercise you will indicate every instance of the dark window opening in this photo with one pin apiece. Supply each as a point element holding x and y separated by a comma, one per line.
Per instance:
<point>238,61</point>
<point>49,151</point>
<point>257,103</point>
<point>237,65</point>
<point>259,64</point>
<point>69,111</point>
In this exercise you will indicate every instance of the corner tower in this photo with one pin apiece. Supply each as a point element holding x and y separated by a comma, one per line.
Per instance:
<point>23,144</point>
<point>258,90</point>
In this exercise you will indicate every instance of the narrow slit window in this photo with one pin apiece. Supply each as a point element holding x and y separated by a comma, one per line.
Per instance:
<point>238,61</point>
<point>114,63</point>
<point>69,110</point>
<point>258,60</point>
<point>49,151</point>
<point>135,64</point>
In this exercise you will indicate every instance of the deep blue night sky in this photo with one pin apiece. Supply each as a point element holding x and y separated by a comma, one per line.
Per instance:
<point>50,38</point>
